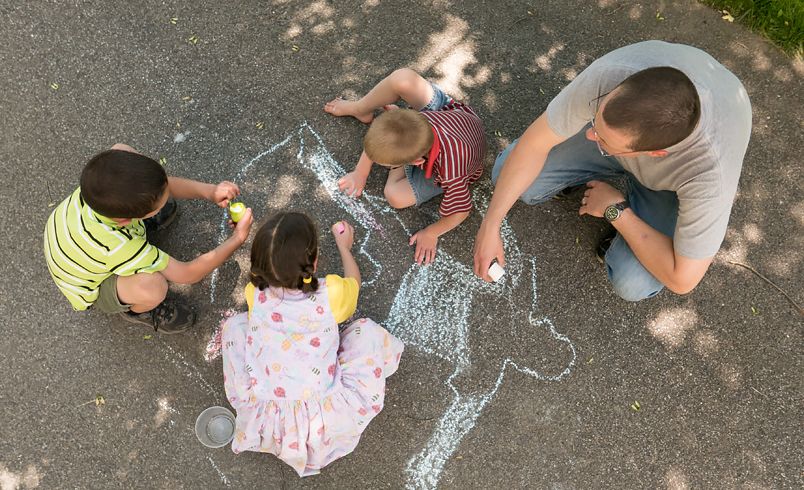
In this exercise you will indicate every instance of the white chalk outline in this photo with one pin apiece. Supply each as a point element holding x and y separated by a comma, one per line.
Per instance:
<point>425,468</point>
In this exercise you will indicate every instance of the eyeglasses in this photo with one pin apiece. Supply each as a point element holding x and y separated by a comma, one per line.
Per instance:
<point>598,139</point>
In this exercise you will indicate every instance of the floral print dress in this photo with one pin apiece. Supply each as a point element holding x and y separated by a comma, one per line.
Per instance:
<point>302,390</point>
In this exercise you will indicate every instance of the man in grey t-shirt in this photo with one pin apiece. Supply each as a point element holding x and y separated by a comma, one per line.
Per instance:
<point>669,118</point>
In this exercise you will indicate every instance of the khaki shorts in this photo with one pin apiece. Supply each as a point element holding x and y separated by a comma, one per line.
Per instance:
<point>107,301</point>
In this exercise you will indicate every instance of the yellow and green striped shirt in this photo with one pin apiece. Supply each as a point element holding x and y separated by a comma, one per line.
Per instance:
<point>83,248</point>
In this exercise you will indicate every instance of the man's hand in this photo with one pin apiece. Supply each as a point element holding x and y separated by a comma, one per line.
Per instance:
<point>426,244</point>
<point>224,192</point>
<point>243,227</point>
<point>352,184</point>
<point>488,246</point>
<point>598,196</point>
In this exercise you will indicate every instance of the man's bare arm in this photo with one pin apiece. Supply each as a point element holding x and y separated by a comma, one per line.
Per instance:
<point>524,164</point>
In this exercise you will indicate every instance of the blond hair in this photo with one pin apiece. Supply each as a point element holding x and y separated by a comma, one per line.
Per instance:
<point>398,137</point>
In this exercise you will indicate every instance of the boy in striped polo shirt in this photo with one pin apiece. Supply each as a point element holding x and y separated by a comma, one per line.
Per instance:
<point>96,246</point>
<point>438,148</point>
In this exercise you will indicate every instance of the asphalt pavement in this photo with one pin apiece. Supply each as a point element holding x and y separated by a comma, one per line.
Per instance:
<point>550,381</point>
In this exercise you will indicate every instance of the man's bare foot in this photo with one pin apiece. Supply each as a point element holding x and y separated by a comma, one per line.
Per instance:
<point>339,107</point>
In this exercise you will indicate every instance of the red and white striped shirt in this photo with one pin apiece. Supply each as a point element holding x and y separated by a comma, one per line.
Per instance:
<point>460,160</point>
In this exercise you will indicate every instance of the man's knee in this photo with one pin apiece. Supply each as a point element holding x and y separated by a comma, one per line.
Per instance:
<point>499,162</point>
<point>633,291</point>
<point>534,194</point>
<point>629,278</point>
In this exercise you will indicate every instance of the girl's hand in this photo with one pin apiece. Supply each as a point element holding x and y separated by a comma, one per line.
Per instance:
<point>224,192</point>
<point>352,184</point>
<point>344,235</point>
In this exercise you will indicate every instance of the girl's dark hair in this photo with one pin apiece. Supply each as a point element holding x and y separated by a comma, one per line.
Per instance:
<point>283,253</point>
<point>121,184</point>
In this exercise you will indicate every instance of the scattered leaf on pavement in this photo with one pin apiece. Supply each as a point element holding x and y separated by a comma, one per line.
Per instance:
<point>54,86</point>
<point>727,16</point>
<point>635,406</point>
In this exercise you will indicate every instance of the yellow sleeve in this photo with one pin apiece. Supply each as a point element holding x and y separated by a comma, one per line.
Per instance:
<point>249,292</point>
<point>343,294</point>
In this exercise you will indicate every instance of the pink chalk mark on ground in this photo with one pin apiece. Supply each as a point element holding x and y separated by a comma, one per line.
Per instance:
<point>213,350</point>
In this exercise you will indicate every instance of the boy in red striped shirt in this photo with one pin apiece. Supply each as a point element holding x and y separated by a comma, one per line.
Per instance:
<point>436,147</point>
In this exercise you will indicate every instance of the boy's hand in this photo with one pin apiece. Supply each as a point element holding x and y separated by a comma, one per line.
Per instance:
<point>242,227</point>
<point>344,235</point>
<point>426,244</point>
<point>224,192</point>
<point>352,184</point>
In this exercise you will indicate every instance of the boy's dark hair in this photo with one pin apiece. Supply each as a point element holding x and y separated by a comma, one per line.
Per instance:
<point>658,107</point>
<point>122,184</point>
<point>284,251</point>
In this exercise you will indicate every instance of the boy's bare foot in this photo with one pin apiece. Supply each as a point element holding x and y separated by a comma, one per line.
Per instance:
<point>339,107</point>
<point>390,107</point>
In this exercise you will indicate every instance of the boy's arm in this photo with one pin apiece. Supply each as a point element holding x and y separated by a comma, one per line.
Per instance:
<point>195,270</point>
<point>426,239</point>
<point>219,194</point>
<point>354,182</point>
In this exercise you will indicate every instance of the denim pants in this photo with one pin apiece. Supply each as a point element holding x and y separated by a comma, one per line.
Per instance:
<point>577,161</point>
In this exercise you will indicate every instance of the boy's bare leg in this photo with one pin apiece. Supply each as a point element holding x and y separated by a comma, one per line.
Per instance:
<point>398,191</point>
<point>403,83</point>
<point>142,291</point>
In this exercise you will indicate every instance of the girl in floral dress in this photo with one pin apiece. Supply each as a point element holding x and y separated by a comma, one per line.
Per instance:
<point>302,390</point>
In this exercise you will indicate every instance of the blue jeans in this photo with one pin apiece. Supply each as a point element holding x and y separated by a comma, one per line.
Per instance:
<point>577,161</point>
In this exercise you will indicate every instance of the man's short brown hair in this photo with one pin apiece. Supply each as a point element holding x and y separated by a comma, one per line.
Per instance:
<point>658,107</point>
<point>121,184</point>
<point>398,137</point>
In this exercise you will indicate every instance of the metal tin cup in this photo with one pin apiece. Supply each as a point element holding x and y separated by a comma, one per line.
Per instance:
<point>215,427</point>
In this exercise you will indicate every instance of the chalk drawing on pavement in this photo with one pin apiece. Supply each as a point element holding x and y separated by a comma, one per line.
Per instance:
<point>437,325</point>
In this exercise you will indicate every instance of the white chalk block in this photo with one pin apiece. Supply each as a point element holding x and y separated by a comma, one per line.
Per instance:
<point>496,272</point>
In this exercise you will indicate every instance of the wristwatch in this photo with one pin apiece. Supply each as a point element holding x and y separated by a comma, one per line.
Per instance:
<point>615,210</point>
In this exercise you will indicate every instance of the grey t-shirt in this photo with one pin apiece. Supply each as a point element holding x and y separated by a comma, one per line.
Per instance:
<point>703,169</point>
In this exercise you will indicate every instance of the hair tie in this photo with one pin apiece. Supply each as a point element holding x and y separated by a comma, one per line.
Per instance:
<point>307,280</point>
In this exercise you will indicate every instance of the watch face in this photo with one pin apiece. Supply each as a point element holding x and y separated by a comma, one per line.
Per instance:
<point>611,213</point>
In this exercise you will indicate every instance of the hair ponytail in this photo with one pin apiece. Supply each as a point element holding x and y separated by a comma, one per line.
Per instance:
<point>307,279</point>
